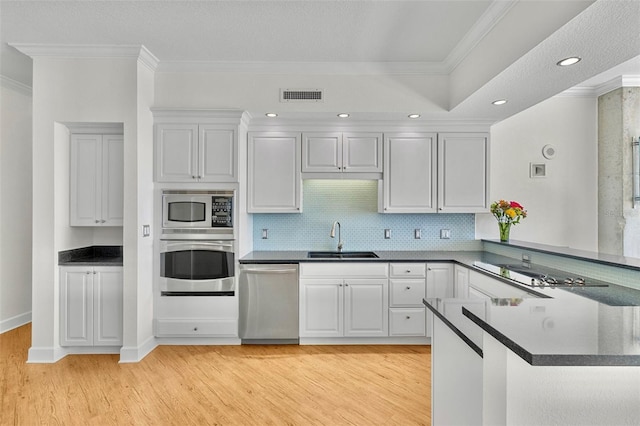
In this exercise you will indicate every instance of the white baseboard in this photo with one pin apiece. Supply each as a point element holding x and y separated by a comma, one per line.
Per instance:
<point>15,322</point>
<point>365,340</point>
<point>137,353</point>
<point>45,355</point>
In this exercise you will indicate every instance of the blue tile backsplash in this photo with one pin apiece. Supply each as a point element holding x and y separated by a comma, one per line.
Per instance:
<point>354,203</point>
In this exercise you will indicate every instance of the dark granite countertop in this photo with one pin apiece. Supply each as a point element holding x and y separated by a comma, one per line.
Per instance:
<point>91,256</point>
<point>601,258</point>
<point>462,257</point>
<point>588,326</point>
<point>554,326</point>
<point>547,332</point>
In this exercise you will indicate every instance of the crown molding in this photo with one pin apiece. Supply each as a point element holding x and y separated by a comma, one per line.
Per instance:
<point>330,68</point>
<point>616,83</point>
<point>16,86</point>
<point>89,51</point>
<point>578,92</point>
<point>494,13</point>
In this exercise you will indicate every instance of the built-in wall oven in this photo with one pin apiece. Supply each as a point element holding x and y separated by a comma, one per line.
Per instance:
<point>197,268</point>
<point>197,256</point>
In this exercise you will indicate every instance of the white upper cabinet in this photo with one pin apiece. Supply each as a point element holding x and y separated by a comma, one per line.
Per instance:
<point>409,183</point>
<point>196,153</point>
<point>96,180</point>
<point>463,172</point>
<point>274,182</point>
<point>335,152</point>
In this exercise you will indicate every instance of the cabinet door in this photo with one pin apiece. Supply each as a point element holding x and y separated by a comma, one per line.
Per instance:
<point>461,281</point>
<point>463,176</point>
<point>176,147</point>
<point>217,152</point>
<point>274,173</point>
<point>322,152</point>
<point>107,302</point>
<point>321,313</point>
<point>362,152</point>
<point>112,194</point>
<point>85,180</point>
<point>440,280</point>
<point>366,307</point>
<point>439,285</point>
<point>76,307</point>
<point>409,182</point>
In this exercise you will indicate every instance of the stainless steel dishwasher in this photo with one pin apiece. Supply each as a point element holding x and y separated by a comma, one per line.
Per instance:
<point>268,296</point>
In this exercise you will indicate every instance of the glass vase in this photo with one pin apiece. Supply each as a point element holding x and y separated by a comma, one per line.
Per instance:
<point>504,228</point>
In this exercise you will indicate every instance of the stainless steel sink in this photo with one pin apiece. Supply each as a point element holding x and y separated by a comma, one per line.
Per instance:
<point>342,255</point>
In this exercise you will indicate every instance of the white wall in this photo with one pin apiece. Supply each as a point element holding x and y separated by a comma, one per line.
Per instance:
<point>70,91</point>
<point>562,207</point>
<point>261,92</point>
<point>15,204</point>
<point>138,251</point>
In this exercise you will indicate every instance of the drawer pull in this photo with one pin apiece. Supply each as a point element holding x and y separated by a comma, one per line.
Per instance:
<point>408,288</point>
<point>195,328</point>
<point>408,271</point>
<point>408,317</point>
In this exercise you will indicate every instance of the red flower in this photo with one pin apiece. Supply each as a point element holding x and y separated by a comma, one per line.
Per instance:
<point>515,205</point>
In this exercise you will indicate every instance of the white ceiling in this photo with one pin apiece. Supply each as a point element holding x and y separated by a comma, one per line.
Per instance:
<point>489,49</point>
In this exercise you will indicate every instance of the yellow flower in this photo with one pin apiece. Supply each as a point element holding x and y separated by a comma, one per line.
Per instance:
<point>511,213</point>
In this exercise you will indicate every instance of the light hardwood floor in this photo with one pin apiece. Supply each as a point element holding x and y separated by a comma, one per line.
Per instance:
<point>218,385</point>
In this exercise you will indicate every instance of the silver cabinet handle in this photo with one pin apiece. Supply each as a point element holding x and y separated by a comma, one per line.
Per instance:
<point>270,271</point>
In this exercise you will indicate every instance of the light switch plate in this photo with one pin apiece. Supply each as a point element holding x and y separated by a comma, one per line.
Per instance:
<point>146,230</point>
<point>265,234</point>
<point>387,234</point>
<point>417,234</point>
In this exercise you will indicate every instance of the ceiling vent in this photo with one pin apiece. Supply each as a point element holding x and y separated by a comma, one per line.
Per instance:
<point>301,95</point>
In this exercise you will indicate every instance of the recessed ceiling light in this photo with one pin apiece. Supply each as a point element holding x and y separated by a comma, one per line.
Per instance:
<point>569,61</point>
<point>343,115</point>
<point>271,114</point>
<point>499,102</point>
<point>414,116</point>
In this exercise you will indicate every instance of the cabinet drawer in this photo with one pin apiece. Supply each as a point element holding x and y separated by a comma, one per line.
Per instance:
<point>196,328</point>
<point>406,321</point>
<point>344,270</point>
<point>407,292</point>
<point>407,270</point>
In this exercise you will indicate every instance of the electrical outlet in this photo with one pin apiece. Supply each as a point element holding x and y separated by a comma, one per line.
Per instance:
<point>265,234</point>
<point>526,257</point>
<point>417,234</point>
<point>146,230</point>
<point>387,234</point>
<point>445,234</point>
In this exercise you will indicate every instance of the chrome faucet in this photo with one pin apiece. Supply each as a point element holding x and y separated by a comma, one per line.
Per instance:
<point>332,234</point>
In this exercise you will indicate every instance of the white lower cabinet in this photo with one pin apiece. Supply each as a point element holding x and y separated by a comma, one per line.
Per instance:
<point>90,306</point>
<point>344,300</point>
<point>461,281</point>
<point>439,285</point>
<point>407,288</point>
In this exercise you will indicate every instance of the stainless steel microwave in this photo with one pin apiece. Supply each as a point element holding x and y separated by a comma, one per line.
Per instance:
<point>197,215</point>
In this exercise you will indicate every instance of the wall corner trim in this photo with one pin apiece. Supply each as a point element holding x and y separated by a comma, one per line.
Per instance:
<point>129,354</point>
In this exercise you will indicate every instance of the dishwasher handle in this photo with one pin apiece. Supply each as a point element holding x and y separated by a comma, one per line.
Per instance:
<point>269,271</point>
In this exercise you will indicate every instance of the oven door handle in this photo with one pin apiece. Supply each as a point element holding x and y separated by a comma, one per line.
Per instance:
<point>171,246</point>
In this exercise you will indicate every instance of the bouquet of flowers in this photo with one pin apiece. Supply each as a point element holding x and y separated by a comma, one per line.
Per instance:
<point>508,213</point>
